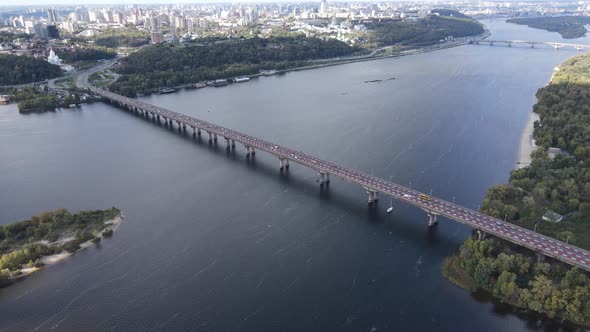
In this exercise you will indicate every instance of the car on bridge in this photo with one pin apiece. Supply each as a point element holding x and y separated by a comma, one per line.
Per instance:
<point>425,197</point>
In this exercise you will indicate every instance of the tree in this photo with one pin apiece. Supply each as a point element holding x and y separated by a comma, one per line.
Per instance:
<point>541,288</point>
<point>506,287</point>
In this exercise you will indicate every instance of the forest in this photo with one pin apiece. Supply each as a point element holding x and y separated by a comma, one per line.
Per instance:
<point>559,183</point>
<point>85,54</point>
<point>114,38</point>
<point>162,65</point>
<point>23,69</point>
<point>424,32</point>
<point>567,26</point>
<point>521,280</point>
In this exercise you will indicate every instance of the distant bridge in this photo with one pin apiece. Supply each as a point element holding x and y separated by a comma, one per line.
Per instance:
<point>509,43</point>
<point>433,206</point>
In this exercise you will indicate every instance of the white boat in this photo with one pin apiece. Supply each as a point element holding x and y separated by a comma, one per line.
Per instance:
<point>390,208</point>
<point>241,79</point>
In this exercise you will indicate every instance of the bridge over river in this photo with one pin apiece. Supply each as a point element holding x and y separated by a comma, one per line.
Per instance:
<point>509,43</point>
<point>374,186</point>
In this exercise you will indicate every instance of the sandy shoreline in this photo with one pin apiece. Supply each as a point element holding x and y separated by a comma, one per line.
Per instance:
<point>56,258</point>
<point>527,142</point>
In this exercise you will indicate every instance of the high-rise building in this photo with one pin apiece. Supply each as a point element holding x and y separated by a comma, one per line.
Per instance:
<point>40,30</point>
<point>52,31</point>
<point>51,15</point>
<point>173,31</point>
<point>155,31</point>
<point>323,8</point>
<point>29,27</point>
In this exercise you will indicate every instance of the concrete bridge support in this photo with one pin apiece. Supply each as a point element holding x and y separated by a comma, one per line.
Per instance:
<point>214,137</point>
<point>372,196</point>
<point>227,143</point>
<point>481,235</point>
<point>210,136</point>
<point>233,144</point>
<point>324,178</point>
<point>432,219</point>
<point>199,132</point>
<point>249,151</point>
<point>184,126</point>
<point>532,45</point>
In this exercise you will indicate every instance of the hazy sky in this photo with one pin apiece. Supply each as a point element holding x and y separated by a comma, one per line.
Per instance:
<point>50,3</point>
<point>111,2</point>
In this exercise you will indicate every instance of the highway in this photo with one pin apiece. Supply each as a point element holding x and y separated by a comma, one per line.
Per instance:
<point>433,206</point>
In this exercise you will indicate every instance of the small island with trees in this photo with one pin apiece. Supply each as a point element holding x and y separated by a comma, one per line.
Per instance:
<point>49,237</point>
<point>568,27</point>
<point>554,183</point>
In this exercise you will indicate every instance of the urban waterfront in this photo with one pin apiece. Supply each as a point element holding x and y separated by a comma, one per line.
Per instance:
<point>212,241</point>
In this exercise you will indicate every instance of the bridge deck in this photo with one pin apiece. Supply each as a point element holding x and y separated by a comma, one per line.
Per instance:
<point>515,234</point>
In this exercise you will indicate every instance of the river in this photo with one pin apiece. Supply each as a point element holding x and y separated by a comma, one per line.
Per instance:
<point>212,241</point>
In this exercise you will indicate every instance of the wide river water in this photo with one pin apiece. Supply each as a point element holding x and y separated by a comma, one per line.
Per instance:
<point>212,241</point>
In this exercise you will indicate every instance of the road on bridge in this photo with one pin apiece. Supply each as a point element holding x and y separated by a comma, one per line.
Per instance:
<point>433,206</point>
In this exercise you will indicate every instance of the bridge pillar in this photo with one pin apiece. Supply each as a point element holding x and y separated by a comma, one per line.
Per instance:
<point>184,126</point>
<point>372,196</point>
<point>481,235</point>
<point>286,163</point>
<point>432,219</point>
<point>324,177</point>
<point>233,144</point>
<point>210,137</point>
<point>281,163</point>
<point>215,137</point>
<point>532,45</point>
<point>199,131</point>
<point>227,143</point>
<point>509,44</point>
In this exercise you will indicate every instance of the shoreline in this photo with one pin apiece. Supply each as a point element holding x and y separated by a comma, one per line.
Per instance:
<point>342,61</point>
<point>47,261</point>
<point>527,142</point>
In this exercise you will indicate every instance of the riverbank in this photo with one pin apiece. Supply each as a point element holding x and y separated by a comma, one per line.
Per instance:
<point>517,277</point>
<point>527,142</point>
<point>347,60</point>
<point>49,260</point>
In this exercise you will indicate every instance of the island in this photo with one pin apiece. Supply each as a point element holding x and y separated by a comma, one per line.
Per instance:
<point>568,27</point>
<point>550,196</point>
<point>49,237</point>
<point>37,99</point>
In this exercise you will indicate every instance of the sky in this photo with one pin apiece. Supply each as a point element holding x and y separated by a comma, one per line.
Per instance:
<point>50,3</point>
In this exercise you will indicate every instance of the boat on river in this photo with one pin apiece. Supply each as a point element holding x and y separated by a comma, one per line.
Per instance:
<point>167,90</point>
